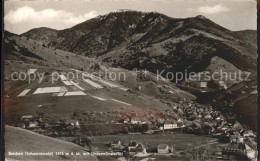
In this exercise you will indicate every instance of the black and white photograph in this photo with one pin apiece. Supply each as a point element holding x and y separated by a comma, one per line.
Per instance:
<point>130,80</point>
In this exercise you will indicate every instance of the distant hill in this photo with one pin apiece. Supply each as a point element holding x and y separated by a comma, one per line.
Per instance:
<point>8,34</point>
<point>150,40</point>
<point>35,53</point>
<point>42,34</point>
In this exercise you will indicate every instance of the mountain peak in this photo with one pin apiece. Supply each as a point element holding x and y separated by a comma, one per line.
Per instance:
<point>201,17</point>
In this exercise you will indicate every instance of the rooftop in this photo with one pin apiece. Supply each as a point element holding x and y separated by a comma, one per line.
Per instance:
<point>132,144</point>
<point>116,142</point>
<point>162,146</point>
<point>170,122</point>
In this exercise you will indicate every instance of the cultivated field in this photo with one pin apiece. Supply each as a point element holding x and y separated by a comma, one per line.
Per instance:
<point>179,141</point>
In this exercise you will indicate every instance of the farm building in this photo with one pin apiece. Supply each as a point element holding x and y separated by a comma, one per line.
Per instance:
<point>32,124</point>
<point>116,144</point>
<point>162,149</point>
<point>26,117</point>
<point>138,150</point>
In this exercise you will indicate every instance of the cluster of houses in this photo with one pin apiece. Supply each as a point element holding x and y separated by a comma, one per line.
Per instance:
<point>37,124</point>
<point>212,122</point>
<point>30,122</point>
<point>161,123</point>
<point>208,121</point>
<point>138,149</point>
<point>240,147</point>
<point>133,148</point>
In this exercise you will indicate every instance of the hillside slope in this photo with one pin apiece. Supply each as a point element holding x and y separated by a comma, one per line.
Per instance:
<point>248,35</point>
<point>42,34</point>
<point>36,143</point>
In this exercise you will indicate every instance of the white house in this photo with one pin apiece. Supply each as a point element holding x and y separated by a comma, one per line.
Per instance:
<point>254,92</point>
<point>126,121</point>
<point>203,84</point>
<point>32,124</point>
<point>249,134</point>
<point>223,84</point>
<point>26,117</point>
<point>138,150</point>
<point>31,71</point>
<point>136,120</point>
<point>251,154</point>
<point>237,139</point>
<point>170,124</point>
<point>77,124</point>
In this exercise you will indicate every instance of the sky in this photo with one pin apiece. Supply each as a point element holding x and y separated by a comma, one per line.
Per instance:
<point>21,16</point>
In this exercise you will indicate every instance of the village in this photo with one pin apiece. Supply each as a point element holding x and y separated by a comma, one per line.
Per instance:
<point>230,138</point>
<point>197,120</point>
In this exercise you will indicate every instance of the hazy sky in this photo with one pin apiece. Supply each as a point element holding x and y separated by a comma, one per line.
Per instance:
<point>21,16</point>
